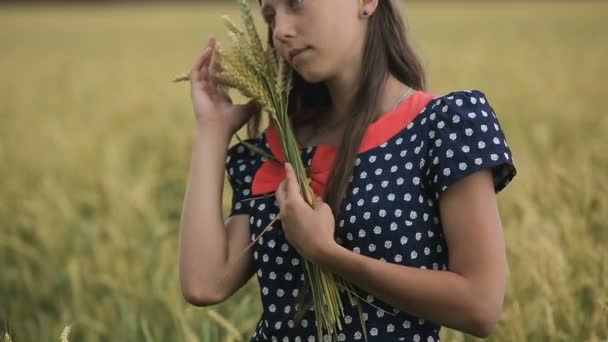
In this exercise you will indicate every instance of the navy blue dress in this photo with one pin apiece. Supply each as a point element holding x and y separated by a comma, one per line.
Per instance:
<point>390,211</point>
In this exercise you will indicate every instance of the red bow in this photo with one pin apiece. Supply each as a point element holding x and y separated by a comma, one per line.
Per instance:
<point>271,173</point>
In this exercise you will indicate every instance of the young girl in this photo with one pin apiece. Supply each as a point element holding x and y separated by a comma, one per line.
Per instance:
<point>406,183</point>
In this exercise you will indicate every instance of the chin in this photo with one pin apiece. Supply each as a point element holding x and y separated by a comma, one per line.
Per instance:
<point>309,74</point>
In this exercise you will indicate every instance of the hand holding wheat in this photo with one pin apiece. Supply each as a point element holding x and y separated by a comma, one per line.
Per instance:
<point>212,105</point>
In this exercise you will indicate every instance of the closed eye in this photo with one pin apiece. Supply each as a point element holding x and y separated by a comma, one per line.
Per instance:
<point>294,3</point>
<point>268,13</point>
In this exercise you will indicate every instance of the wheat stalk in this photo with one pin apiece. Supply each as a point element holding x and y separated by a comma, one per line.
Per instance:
<point>65,333</point>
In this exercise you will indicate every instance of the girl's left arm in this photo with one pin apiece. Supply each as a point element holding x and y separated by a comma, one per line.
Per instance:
<point>468,297</point>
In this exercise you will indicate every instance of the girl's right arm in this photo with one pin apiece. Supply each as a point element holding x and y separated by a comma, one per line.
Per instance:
<point>207,246</point>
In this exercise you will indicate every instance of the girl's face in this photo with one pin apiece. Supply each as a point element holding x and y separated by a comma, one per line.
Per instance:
<point>329,34</point>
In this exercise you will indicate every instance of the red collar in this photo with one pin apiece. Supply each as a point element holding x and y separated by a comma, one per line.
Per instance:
<point>270,174</point>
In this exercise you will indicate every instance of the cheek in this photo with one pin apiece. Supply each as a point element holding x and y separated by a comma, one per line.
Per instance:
<point>319,67</point>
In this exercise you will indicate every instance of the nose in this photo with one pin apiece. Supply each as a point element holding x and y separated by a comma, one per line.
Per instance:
<point>284,30</point>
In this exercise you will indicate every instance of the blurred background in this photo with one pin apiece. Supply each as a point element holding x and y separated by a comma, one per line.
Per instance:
<point>95,146</point>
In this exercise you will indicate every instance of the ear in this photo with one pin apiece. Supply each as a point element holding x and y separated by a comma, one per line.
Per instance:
<point>367,6</point>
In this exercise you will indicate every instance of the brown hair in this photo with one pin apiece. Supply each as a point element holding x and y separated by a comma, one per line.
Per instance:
<point>387,51</point>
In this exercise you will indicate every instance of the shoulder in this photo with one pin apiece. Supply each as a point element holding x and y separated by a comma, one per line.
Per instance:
<point>465,136</point>
<point>459,101</point>
<point>464,111</point>
<point>244,157</point>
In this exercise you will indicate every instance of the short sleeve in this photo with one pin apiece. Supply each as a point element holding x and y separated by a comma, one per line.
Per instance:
<point>465,136</point>
<point>237,169</point>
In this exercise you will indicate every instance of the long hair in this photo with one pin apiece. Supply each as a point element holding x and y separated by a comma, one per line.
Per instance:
<point>387,50</point>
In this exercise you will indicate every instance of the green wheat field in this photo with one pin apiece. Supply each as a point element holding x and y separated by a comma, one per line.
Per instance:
<point>95,146</point>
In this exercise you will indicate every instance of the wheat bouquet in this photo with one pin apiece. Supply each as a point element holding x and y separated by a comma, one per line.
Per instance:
<point>263,75</point>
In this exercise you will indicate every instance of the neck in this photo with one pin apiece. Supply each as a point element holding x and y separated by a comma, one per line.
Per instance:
<point>342,94</point>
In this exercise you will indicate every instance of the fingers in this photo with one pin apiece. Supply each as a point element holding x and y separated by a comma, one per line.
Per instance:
<point>286,188</point>
<point>280,196</point>
<point>292,188</point>
<point>203,60</point>
<point>216,59</point>
<point>197,70</point>
<point>211,68</point>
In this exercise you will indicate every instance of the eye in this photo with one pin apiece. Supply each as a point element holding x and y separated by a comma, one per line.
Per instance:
<point>294,3</point>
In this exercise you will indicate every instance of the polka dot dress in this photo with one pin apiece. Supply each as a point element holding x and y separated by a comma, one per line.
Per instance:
<point>390,212</point>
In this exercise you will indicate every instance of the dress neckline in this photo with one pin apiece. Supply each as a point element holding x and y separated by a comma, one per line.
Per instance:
<point>321,161</point>
<point>378,132</point>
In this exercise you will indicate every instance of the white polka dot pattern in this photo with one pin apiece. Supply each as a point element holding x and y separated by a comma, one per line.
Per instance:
<point>390,212</point>
<point>467,144</point>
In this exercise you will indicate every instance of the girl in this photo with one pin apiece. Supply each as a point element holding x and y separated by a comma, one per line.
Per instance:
<point>406,184</point>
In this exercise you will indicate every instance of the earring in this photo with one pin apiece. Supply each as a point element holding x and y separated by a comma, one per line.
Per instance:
<point>365,12</point>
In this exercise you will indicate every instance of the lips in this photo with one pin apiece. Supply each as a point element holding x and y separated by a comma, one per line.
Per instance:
<point>295,52</point>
